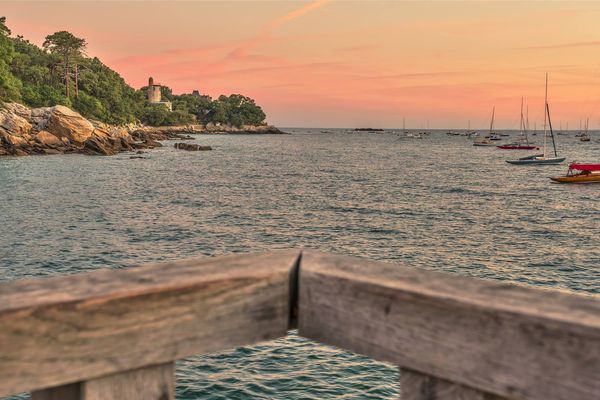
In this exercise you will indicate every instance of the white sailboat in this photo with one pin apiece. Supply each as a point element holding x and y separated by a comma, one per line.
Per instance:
<point>545,158</point>
<point>486,141</point>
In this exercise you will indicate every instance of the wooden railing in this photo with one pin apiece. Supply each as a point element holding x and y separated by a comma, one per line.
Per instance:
<point>115,334</point>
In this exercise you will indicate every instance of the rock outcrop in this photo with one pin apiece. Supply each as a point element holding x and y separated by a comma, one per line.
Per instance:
<point>191,147</point>
<point>58,129</point>
<point>64,122</point>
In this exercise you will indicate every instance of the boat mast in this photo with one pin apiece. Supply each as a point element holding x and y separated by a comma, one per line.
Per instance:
<point>551,132</point>
<point>492,122</point>
<point>522,124</point>
<point>545,112</point>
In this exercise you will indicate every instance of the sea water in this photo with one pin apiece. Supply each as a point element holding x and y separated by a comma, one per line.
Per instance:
<point>438,203</point>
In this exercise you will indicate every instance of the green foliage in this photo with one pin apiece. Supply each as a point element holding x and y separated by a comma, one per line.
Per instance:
<point>159,115</point>
<point>9,85</point>
<point>47,76</point>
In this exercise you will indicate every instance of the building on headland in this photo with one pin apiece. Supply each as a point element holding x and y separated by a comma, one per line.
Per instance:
<point>153,95</point>
<point>196,93</point>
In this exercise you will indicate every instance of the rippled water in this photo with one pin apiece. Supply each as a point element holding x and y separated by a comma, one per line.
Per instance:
<point>437,203</point>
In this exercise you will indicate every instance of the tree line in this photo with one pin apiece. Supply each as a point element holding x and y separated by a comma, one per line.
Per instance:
<point>60,72</point>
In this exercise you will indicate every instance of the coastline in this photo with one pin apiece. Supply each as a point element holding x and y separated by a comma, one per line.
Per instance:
<point>59,130</point>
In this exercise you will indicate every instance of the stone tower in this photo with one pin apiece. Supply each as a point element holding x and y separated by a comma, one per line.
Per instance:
<point>153,92</point>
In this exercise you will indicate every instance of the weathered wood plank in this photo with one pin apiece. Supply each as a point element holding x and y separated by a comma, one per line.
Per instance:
<point>150,383</point>
<point>156,382</point>
<point>516,342</point>
<point>416,386</point>
<point>75,328</point>
<point>71,391</point>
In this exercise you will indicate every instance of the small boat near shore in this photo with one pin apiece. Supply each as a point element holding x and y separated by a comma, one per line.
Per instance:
<point>580,173</point>
<point>542,159</point>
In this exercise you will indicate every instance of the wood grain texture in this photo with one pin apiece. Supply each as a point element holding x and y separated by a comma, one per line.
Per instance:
<point>150,383</point>
<point>156,382</point>
<point>512,341</point>
<point>75,328</point>
<point>416,386</point>
<point>66,392</point>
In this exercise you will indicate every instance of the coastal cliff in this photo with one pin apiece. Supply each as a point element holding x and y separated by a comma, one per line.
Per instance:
<point>57,130</point>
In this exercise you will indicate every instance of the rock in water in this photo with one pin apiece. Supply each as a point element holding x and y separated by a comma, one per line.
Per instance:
<point>191,147</point>
<point>98,146</point>
<point>64,122</point>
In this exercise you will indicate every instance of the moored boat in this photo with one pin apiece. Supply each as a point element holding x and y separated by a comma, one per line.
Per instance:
<point>585,137</point>
<point>580,173</point>
<point>523,141</point>
<point>517,146</point>
<point>542,159</point>
<point>486,141</point>
<point>536,159</point>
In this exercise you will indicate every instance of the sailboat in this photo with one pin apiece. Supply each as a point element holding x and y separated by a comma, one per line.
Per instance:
<point>523,140</point>
<point>580,133</point>
<point>542,158</point>
<point>409,135</point>
<point>487,140</point>
<point>469,132</point>
<point>585,137</point>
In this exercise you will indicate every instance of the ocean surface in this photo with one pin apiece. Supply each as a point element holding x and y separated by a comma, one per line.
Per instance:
<point>437,203</point>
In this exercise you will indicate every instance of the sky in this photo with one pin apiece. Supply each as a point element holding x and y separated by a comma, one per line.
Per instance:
<point>343,63</point>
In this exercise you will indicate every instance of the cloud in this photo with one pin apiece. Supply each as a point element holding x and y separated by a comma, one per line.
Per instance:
<point>595,43</point>
<point>298,12</point>
<point>266,32</point>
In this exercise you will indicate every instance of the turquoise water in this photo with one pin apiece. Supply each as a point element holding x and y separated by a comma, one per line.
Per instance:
<point>437,203</point>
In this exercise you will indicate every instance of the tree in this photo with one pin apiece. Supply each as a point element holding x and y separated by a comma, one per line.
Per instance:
<point>9,85</point>
<point>70,49</point>
<point>4,31</point>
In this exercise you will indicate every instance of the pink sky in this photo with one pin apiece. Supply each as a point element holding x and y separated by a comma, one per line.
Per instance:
<point>348,63</point>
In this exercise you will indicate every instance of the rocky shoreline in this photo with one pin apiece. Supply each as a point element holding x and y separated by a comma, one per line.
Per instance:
<point>60,130</point>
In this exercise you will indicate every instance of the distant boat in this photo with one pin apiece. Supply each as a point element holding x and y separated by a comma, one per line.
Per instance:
<point>588,173</point>
<point>369,130</point>
<point>523,141</point>
<point>486,141</point>
<point>585,136</point>
<point>539,159</point>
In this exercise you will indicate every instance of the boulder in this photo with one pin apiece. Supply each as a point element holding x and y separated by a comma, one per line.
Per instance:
<point>48,139</point>
<point>18,109</point>
<point>40,117</point>
<point>15,141</point>
<point>98,146</point>
<point>191,147</point>
<point>19,152</point>
<point>14,124</point>
<point>64,122</point>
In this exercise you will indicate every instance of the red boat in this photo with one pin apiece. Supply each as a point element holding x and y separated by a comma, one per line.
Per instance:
<point>517,146</point>
<point>522,142</point>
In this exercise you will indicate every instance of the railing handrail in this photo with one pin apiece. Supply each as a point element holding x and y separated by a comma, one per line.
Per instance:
<point>468,334</point>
